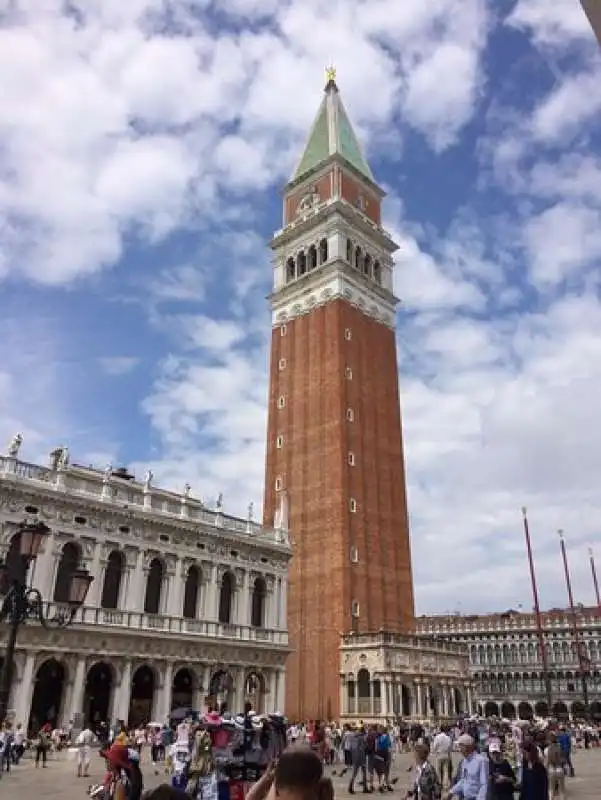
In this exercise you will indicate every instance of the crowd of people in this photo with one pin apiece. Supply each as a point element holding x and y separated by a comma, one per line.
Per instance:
<point>473,759</point>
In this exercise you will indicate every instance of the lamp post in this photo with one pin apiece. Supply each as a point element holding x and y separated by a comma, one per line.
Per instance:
<point>22,602</point>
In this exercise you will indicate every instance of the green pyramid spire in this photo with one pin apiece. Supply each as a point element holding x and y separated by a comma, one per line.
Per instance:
<point>332,133</point>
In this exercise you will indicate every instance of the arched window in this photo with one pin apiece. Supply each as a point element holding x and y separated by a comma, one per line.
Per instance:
<point>69,562</point>
<point>112,580</point>
<point>301,260</point>
<point>349,251</point>
<point>377,272</point>
<point>367,265</point>
<point>290,269</point>
<point>154,587</point>
<point>191,593</point>
<point>257,614</point>
<point>16,565</point>
<point>323,251</point>
<point>364,691</point>
<point>226,598</point>
<point>358,258</point>
<point>312,257</point>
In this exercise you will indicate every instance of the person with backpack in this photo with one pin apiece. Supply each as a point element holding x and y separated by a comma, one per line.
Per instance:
<point>554,762</point>
<point>426,785</point>
<point>371,739</point>
<point>43,745</point>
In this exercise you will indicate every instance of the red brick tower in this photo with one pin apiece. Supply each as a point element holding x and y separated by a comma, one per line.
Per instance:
<point>334,441</point>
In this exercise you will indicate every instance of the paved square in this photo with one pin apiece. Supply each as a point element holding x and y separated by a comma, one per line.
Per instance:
<point>59,780</point>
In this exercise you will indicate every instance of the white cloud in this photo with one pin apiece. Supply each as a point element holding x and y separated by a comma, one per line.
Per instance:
<point>558,23</point>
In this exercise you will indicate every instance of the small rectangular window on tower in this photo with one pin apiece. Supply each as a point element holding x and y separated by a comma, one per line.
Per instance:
<point>282,364</point>
<point>355,609</point>
<point>351,459</point>
<point>350,414</point>
<point>279,442</point>
<point>278,484</point>
<point>354,555</point>
<point>352,505</point>
<point>348,373</point>
<point>281,401</point>
<point>348,334</point>
<point>283,330</point>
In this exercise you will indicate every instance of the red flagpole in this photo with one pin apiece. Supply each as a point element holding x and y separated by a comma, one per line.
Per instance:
<point>539,621</point>
<point>582,658</point>
<point>594,573</point>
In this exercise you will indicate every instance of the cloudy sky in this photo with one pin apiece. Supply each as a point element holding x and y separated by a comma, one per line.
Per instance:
<point>143,145</point>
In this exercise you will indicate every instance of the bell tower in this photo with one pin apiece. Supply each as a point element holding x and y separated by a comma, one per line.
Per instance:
<point>334,439</point>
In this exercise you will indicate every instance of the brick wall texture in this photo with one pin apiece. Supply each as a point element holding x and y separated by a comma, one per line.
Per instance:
<point>310,366</point>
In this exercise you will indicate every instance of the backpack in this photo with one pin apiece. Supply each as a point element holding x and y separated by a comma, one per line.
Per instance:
<point>370,744</point>
<point>554,756</point>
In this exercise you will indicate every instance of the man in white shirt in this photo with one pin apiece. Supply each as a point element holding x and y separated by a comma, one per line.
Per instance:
<point>473,774</point>
<point>84,742</point>
<point>442,748</point>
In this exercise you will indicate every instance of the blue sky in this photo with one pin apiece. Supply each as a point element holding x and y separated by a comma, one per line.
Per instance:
<point>143,146</point>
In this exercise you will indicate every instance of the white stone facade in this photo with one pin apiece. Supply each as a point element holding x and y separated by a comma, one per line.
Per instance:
<point>506,666</point>
<point>187,606</point>
<point>386,675</point>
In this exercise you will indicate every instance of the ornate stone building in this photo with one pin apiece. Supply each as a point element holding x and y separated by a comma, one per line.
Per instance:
<point>334,439</point>
<point>187,606</point>
<point>506,666</point>
<point>385,674</point>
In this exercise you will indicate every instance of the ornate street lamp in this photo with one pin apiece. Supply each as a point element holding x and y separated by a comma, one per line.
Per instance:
<point>22,602</point>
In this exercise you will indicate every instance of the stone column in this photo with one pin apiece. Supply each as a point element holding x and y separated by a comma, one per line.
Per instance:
<point>470,699</point>
<point>212,593</point>
<point>124,692</point>
<point>25,692</point>
<point>165,697</point>
<point>270,608</point>
<point>343,696</point>
<point>419,700</point>
<point>138,587</point>
<point>239,690</point>
<point>445,700</point>
<point>77,692</point>
<point>284,605</point>
<point>45,566</point>
<point>273,691</point>
<point>175,606</point>
<point>97,569</point>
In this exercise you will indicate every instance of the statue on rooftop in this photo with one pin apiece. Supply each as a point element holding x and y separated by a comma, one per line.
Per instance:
<point>62,459</point>
<point>219,503</point>
<point>148,479</point>
<point>187,490</point>
<point>14,446</point>
<point>251,509</point>
<point>108,473</point>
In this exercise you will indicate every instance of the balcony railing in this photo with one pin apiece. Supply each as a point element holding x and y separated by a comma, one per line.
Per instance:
<point>194,628</point>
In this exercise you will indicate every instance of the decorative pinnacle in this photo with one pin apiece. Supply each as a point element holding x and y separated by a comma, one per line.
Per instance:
<point>524,511</point>
<point>590,552</point>
<point>560,533</point>
<point>330,74</point>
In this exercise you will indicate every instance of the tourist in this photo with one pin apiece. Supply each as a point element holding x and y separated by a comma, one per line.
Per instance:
<point>299,776</point>
<point>535,783</point>
<point>564,740</point>
<point>426,784</point>
<point>19,745</point>
<point>555,769</point>
<point>473,777</point>
<point>84,743</point>
<point>6,747</point>
<point>43,745</point>
<point>123,778</point>
<point>442,748</point>
<point>502,776</point>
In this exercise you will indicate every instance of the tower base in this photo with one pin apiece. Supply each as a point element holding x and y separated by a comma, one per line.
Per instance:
<point>385,676</point>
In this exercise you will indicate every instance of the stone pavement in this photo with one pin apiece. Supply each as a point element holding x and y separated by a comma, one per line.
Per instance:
<point>59,782</point>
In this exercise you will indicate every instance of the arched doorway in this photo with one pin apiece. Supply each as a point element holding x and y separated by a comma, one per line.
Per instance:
<point>508,710</point>
<point>254,689</point>
<point>560,710</point>
<point>595,710</point>
<point>257,613</point>
<point>458,697</point>
<point>142,696</point>
<point>191,593</point>
<point>525,711</point>
<point>491,709</point>
<point>405,701</point>
<point>154,587</point>
<point>226,598</point>
<point>68,564</point>
<point>363,692</point>
<point>182,690</point>
<point>48,693</point>
<point>113,574</point>
<point>97,694</point>
<point>541,709</point>
<point>221,691</point>
<point>578,710</point>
